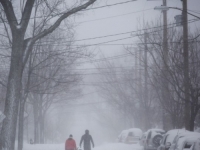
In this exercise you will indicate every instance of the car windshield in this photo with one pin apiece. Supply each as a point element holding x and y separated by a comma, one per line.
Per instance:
<point>130,134</point>
<point>188,145</point>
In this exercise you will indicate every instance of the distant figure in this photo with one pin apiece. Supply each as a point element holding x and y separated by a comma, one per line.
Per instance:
<point>31,141</point>
<point>70,143</point>
<point>86,139</point>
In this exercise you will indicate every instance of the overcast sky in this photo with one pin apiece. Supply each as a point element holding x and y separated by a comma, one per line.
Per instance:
<point>119,19</point>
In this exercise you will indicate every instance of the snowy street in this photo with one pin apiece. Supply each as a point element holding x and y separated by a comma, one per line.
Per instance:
<point>111,146</point>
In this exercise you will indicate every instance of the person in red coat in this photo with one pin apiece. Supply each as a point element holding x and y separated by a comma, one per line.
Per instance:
<point>70,143</point>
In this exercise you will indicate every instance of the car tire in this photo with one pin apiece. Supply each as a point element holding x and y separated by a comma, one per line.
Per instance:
<point>156,140</point>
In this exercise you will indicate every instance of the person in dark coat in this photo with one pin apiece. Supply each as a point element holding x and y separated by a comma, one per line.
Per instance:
<point>87,139</point>
<point>70,143</point>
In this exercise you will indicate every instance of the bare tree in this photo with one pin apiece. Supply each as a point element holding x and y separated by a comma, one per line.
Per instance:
<point>51,75</point>
<point>21,49</point>
<point>122,88</point>
<point>173,106</point>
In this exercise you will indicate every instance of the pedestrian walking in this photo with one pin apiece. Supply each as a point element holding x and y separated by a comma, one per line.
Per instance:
<point>70,143</point>
<point>87,139</point>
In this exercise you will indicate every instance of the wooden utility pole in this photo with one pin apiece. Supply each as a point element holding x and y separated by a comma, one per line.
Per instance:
<point>186,65</point>
<point>165,93</point>
<point>146,92</point>
<point>165,41</point>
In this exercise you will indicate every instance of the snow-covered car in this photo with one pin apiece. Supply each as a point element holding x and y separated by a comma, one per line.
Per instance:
<point>130,136</point>
<point>143,139</point>
<point>169,137</point>
<point>154,136</point>
<point>187,143</point>
<point>184,141</point>
<point>196,145</point>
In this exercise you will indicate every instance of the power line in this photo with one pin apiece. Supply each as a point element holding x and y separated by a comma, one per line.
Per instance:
<point>110,35</point>
<point>171,25</point>
<point>110,5</point>
<point>122,33</point>
<point>194,11</point>
<point>114,16</point>
<point>103,43</point>
<point>101,68</point>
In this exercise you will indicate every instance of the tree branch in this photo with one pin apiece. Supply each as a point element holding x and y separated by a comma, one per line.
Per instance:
<point>27,13</point>
<point>10,14</point>
<point>31,41</point>
<point>59,20</point>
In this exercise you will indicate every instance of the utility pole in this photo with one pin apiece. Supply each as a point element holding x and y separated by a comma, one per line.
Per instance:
<point>165,93</point>
<point>165,43</point>
<point>146,92</point>
<point>186,65</point>
<point>164,71</point>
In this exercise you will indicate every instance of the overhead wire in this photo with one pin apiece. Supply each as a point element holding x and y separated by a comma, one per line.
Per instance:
<point>57,14</point>
<point>128,32</point>
<point>114,16</point>
<point>101,43</point>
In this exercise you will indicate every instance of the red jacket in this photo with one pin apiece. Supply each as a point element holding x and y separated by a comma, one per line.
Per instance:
<point>70,144</point>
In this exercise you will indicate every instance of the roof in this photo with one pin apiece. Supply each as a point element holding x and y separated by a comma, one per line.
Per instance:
<point>156,130</point>
<point>173,133</point>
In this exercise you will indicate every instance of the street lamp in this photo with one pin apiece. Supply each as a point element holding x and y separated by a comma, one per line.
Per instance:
<point>161,8</point>
<point>165,8</point>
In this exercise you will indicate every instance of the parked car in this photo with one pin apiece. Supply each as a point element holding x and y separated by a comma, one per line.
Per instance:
<point>184,140</point>
<point>169,137</point>
<point>130,136</point>
<point>187,143</point>
<point>143,139</point>
<point>154,136</point>
<point>196,145</point>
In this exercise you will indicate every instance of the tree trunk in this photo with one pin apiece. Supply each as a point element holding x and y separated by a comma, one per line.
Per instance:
<point>148,118</point>
<point>21,125</point>
<point>192,119</point>
<point>42,129</point>
<point>35,113</point>
<point>8,132</point>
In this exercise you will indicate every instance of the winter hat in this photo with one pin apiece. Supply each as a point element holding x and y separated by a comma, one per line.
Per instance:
<point>87,131</point>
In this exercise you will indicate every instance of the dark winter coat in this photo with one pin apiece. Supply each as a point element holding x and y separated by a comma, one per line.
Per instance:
<point>87,139</point>
<point>70,144</point>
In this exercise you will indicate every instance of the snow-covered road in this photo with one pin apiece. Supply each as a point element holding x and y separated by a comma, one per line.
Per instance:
<point>111,146</point>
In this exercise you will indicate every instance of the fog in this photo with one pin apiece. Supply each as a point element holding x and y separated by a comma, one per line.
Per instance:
<point>104,69</point>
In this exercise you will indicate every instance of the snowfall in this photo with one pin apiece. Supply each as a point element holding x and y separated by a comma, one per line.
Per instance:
<point>111,146</point>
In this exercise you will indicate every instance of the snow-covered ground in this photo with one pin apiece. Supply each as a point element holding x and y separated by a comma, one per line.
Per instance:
<point>119,146</point>
<point>112,146</point>
<point>44,147</point>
